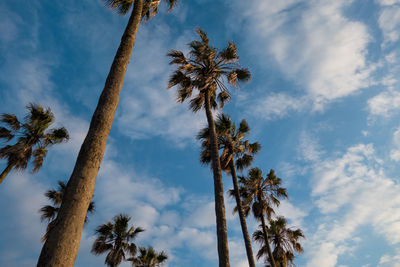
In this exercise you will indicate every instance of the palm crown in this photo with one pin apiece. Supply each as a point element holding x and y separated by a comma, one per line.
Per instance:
<point>148,257</point>
<point>115,237</point>
<point>230,140</point>
<point>49,212</point>
<point>204,69</point>
<point>32,136</point>
<point>261,194</point>
<point>285,240</point>
<point>150,7</point>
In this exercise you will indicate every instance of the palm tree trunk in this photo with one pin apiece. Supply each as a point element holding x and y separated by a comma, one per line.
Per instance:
<point>5,172</point>
<point>265,231</point>
<point>222,236</point>
<point>242,218</point>
<point>62,244</point>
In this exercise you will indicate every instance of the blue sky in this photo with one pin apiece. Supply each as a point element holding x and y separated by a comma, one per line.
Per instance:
<point>323,102</point>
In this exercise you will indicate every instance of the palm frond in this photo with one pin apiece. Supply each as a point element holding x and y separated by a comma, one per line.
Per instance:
<point>121,6</point>
<point>11,121</point>
<point>39,154</point>
<point>229,54</point>
<point>6,134</point>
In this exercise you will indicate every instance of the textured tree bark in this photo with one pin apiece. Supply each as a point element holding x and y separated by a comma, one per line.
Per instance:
<point>62,244</point>
<point>243,224</point>
<point>271,257</point>
<point>222,236</point>
<point>5,172</point>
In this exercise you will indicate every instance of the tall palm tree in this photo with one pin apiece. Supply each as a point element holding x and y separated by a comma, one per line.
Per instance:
<point>61,247</point>
<point>115,238</point>
<point>261,195</point>
<point>32,138</point>
<point>236,153</point>
<point>148,257</point>
<point>204,71</point>
<point>49,212</point>
<point>285,240</point>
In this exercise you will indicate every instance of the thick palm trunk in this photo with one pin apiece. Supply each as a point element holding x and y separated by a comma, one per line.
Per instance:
<point>222,236</point>
<point>265,232</point>
<point>5,172</point>
<point>62,244</point>
<point>243,224</point>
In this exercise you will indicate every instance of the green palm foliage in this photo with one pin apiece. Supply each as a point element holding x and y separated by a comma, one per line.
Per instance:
<point>148,257</point>
<point>49,212</point>
<point>115,238</point>
<point>63,241</point>
<point>205,71</point>
<point>286,242</point>
<point>261,195</point>
<point>236,153</point>
<point>32,137</point>
<point>149,7</point>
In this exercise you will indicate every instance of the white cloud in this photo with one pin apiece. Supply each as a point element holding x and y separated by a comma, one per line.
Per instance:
<point>385,103</point>
<point>389,22</point>
<point>351,191</point>
<point>388,2</point>
<point>395,153</point>
<point>312,42</point>
<point>276,106</point>
<point>309,148</point>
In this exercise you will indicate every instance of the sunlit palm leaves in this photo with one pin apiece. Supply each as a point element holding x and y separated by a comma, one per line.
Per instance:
<point>206,68</point>
<point>49,212</point>
<point>148,257</point>
<point>150,7</point>
<point>286,242</point>
<point>231,141</point>
<point>32,138</point>
<point>116,238</point>
<point>261,194</point>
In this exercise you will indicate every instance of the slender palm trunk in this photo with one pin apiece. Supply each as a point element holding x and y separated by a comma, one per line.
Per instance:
<point>62,244</point>
<point>265,232</point>
<point>222,236</point>
<point>243,224</point>
<point>5,172</point>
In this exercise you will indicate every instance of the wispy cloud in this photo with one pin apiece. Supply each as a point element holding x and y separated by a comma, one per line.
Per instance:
<point>314,45</point>
<point>351,191</point>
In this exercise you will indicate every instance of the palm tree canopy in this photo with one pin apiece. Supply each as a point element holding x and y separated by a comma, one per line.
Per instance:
<point>148,257</point>
<point>285,241</point>
<point>32,137</point>
<point>150,7</point>
<point>115,237</point>
<point>231,141</point>
<point>206,68</point>
<point>261,194</point>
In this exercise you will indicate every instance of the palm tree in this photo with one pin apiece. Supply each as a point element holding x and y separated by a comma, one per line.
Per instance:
<point>32,138</point>
<point>115,238</point>
<point>49,212</point>
<point>62,244</point>
<point>236,153</point>
<point>204,70</point>
<point>149,258</point>
<point>285,240</point>
<point>261,195</point>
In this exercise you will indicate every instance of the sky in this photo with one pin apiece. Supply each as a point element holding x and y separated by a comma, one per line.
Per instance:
<point>323,102</point>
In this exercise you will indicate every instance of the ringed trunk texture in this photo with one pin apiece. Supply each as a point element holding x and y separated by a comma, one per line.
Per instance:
<point>5,172</point>
<point>243,224</point>
<point>222,236</point>
<point>271,257</point>
<point>62,244</point>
